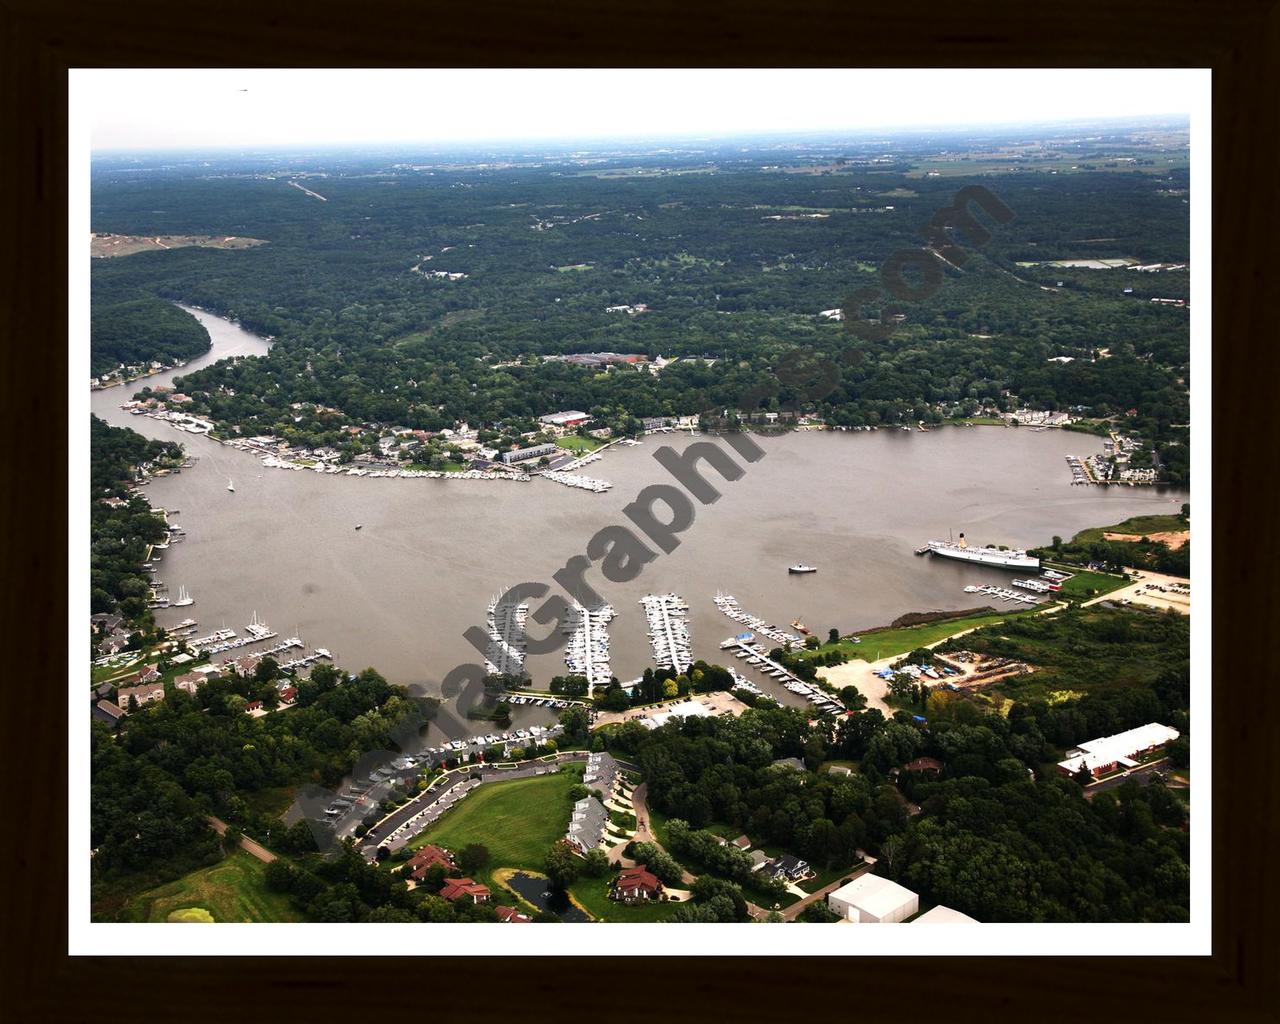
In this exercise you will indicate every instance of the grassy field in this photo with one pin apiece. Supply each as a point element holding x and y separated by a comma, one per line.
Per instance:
<point>888,643</point>
<point>576,443</point>
<point>1094,648</point>
<point>593,895</point>
<point>1140,526</point>
<point>518,821</point>
<point>1080,585</point>
<point>231,891</point>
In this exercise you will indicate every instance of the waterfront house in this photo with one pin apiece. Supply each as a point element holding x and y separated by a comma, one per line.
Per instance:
<point>288,695</point>
<point>104,622</point>
<point>637,883</point>
<point>114,644</point>
<point>190,682</point>
<point>465,888</point>
<point>143,694</point>
<point>509,915</point>
<point>524,454</point>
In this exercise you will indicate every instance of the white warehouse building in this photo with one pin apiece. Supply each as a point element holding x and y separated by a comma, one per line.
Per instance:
<point>871,899</point>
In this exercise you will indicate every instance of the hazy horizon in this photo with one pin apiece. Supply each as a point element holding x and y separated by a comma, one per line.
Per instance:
<point>191,110</point>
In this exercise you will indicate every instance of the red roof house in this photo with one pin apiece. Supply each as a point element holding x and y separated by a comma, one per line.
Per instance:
<point>637,883</point>
<point>421,862</point>
<point>465,888</point>
<point>509,915</point>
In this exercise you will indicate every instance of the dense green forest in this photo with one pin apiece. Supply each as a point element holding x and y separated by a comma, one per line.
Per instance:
<point>129,326</point>
<point>184,758</point>
<point>990,840</point>
<point>121,523</point>
<point>734,266</point>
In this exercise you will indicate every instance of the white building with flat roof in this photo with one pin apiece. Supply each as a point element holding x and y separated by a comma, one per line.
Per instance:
<point>1122,750</point>
<point>685,709</point>
<point>871,899</point>
<point>944,915</point>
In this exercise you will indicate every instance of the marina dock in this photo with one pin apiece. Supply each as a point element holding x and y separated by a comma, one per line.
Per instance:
<point>587,653</point>
<point>758,658</point>
<point>507,641</point>
<point>728,604</point>
<point>668,630</point>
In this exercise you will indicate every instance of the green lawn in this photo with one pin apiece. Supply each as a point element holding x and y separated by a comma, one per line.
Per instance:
<point>1140,526</point>
<point>233,890</point>
<point>593,895</point>
<point>576,443</point>
<point>887,643</point>
<point>1084,581</point>
<point>518,821</point>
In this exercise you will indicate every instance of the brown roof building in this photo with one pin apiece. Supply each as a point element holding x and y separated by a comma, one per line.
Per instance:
<point>421,862</point>
<point>637,883</point>
<point>465,888</point>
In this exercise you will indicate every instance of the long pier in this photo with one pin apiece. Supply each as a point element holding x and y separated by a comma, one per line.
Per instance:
<point>587,653</point>
<point>757,657</point>
<point>729,605</point>
<point>506,626</point>
<point>668,630</point>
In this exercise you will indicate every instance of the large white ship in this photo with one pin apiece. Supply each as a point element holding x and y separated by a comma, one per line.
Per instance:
<point>1007,558</point>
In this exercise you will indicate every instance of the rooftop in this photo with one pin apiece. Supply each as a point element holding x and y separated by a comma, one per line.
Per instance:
<point>944,915</point>
<point>876,895</point>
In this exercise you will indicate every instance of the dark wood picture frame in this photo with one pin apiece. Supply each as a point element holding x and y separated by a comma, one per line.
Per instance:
<point>43,38</point>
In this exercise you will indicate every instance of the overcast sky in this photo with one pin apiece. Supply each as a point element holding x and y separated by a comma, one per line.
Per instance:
<point>175,109</point>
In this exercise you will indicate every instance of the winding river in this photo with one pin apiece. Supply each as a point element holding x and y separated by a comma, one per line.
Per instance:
<point>398,594</point>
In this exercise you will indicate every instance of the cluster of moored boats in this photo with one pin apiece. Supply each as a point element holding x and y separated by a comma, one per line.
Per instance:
<point>1000,593</point>
<point>538,702</point>
<point>728,604</point>
<point>756,656</point>
<point>587,652</point>
<point>507,641</point>
<point>668,616</point>
<point>586,483</point>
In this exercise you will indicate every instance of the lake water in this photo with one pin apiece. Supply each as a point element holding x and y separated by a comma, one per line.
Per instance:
<point>398,594</point>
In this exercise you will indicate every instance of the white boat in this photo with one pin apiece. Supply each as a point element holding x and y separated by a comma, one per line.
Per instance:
<point>798,570</point>
<point>184,598</point>
<point>230,486</point>
<point>1008,558</point>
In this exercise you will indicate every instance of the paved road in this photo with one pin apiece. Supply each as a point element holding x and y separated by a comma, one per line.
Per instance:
<point>793,911</point>
<point>248,845</point>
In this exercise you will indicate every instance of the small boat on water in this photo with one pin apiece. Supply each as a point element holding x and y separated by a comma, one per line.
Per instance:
<point>797,570</point>
<point>184,598</point>
<point>230,486</point>
<point>359,526</point>
<point>800,626</point>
